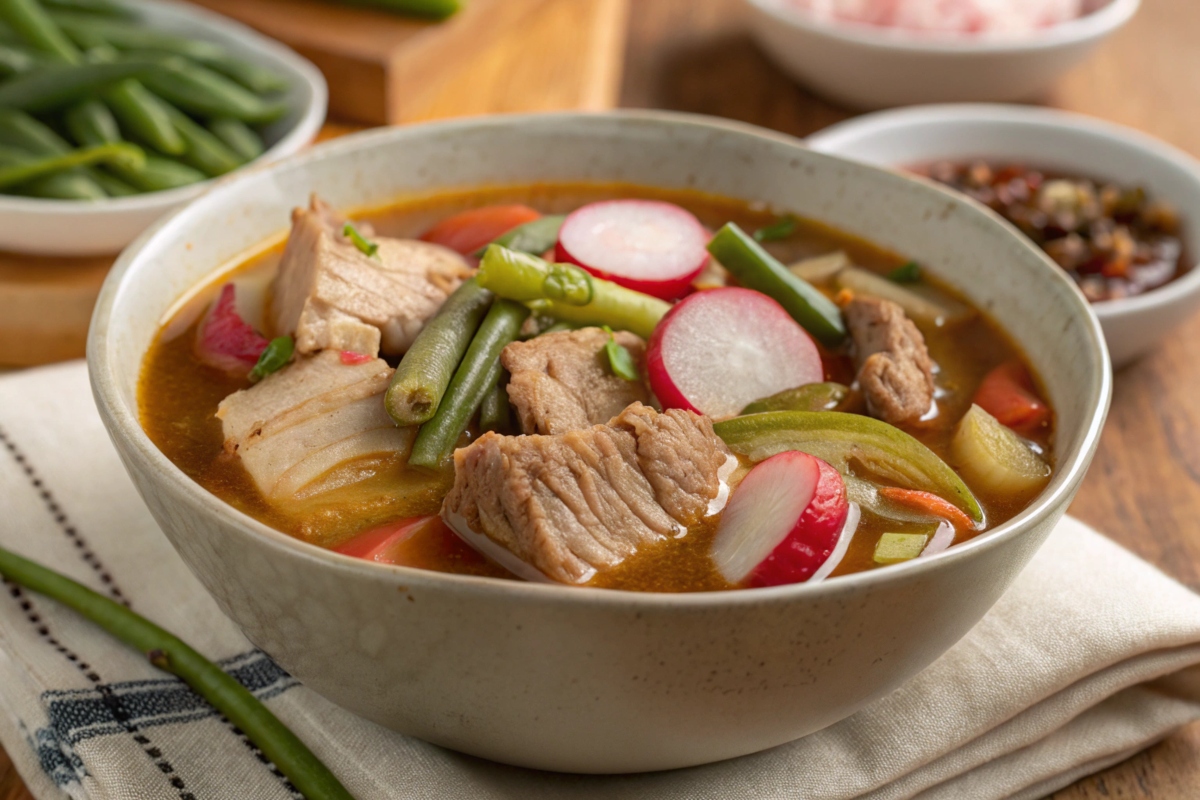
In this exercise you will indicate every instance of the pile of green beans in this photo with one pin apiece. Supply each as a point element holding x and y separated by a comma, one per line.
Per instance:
<point>77,75</point>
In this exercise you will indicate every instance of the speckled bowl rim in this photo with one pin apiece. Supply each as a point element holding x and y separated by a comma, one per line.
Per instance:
<point>1096,25</point>
<point>951,115</point>
<point>126,427</point>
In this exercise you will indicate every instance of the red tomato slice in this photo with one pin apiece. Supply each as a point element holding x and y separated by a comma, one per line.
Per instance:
<point>1008,394</point>
<point>468,231</point>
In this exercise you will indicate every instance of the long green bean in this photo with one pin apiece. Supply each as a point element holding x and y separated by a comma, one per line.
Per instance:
<point>201,91</point>
<point>20,130</point>
<point>72,185</point>
<point>130,36</point>
<point>52,86</point>
<point>479,371</point>
<point>158,174</point>
<point>205,151</point>
<point>35,26</point>
<point>92,123</point>
<point>113,186</point>
<point>495,413</point>
<point>171,654</point>
<point>430,9</point>
<point>15,59</point>
<point>257,79</point>
<point>105,8</point>
<point>238,136</point>
<point>757,269</point>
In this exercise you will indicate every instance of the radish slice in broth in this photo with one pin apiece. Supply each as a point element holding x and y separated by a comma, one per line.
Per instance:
<point>646,245</point>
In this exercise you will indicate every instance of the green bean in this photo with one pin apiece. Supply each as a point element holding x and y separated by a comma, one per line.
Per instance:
<point>238,136</point>
<point>53,86</point>
<point>205,151</point>
<point>171,654</point>
<point>478,372</point>
<point>201,91</point>
<point>810,397</point>
<point>113,186</point>
<point>568,293</point>
<point>430,9</point>
<point>73,185</point>
<point>20,167</point>
<point>258,79</point>
<point>495,413</point>
<point>420,380</point>
<point>15,59</point>
<point>91,123</point>
<point>756,269</point>
<point>103,7</point>
<point>534,237</point>
<point>158,174</point>
<point>35,26</point>
<point>20,130</point>
<point>128,36</point>
<point>145,115</point>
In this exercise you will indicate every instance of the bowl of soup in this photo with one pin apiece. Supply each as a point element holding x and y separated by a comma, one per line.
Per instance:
<point>597,443</point>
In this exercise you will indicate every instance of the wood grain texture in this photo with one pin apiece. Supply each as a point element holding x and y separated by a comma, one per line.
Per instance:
<point>1144,487</point>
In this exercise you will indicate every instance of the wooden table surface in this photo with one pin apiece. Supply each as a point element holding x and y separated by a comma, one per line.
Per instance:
<point>1144,487</point>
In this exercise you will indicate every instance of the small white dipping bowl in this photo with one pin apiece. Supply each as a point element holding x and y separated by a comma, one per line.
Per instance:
<point>578,679</point>
<point>868,67</point>
<point>1072,144</point>
<point>39,226</point>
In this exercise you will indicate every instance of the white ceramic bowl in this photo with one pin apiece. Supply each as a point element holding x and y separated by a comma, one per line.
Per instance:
<point>1050,139</point>
<point>79,228</point>
<point>869,67</point>
<point>581,679</point>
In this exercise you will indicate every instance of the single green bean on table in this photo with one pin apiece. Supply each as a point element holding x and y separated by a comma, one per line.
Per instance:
<point>432,9</point>
<point>171,654</point>
<point>420,381</point>
<point>476,375</point>
<point>107,8</point>
<point>757,269</point>
<point>238,137</point>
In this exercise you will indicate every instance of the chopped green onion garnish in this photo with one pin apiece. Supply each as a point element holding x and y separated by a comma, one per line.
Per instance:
<point>274,358</point>
<point>364,247</point>
<point>909,273</point>
<point>620,360</point>
<point>782,229</point>
<point>893,548</point>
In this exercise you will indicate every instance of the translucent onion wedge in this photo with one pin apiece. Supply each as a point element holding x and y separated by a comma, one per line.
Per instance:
<point>819,269</point>
<point>916,305</point>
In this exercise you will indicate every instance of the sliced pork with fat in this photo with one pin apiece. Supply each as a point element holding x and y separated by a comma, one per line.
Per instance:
<point>895,371</point>
<point>331,295</point>
<point>565,507</point>
<point>296,426</point>
<point>562,381</point>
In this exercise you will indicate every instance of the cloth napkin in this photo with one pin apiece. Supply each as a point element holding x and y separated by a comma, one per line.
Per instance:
<point>1089,657</point>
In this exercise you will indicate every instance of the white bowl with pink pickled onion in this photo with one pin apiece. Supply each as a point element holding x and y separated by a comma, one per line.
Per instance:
<point>871,54</point>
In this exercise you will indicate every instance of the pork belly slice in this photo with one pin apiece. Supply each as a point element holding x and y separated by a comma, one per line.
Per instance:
<point>330,295</point>
<point>564,507</point>
<point>311,417</point>
<point>562,381</point>
<point>895,371</point>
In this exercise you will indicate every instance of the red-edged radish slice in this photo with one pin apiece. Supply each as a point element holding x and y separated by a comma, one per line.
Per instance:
<point>783,523</point>
<point>721,349</point>
<point>379,544</point>
<point>226,341</point>
<point>646,245</point>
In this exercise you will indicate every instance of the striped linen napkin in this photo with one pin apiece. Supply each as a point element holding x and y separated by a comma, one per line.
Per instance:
<point>1090,657</point>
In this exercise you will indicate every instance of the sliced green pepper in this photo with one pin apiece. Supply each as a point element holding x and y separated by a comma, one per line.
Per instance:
<point>841,439</point>
<point>756,269</point>
<point>811,397</point>
<point>892,548</point>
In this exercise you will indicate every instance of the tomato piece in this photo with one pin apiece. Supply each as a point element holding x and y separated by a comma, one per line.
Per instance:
<point>1008,394</point>
<point>468,231</point>
<point>424,542</point>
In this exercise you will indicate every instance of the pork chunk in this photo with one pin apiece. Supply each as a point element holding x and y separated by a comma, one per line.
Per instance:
<point>330,295</point>
<point>562,381</point>
<point>895,371</point>
<point>317,414</point>
<point>564,507</point>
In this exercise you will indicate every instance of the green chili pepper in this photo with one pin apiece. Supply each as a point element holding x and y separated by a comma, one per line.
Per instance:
<point>620,360</point>
<point>274,358</point>
<point>908,273</point>
<point>528,279</point>
<point>756,269</point>
<point>845,440</point>
<point>780,229</point>
<point>370,249</point>
<point>534,237</point>
<point>811,397</point>
<point>171,654</point>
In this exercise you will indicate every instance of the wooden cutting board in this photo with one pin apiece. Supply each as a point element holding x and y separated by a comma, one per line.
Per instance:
<point>495,56</point>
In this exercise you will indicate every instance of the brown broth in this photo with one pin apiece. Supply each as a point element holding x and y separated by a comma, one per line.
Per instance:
<point>178,397</point>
